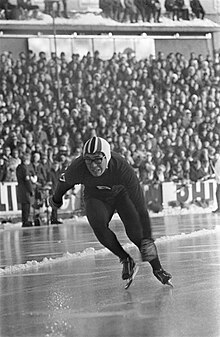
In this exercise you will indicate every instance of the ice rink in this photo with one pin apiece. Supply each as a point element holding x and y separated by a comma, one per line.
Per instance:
<point>59,281</point>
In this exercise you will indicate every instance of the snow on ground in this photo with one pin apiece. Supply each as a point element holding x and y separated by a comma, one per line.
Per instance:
<point>98,19</point>
<point>89,252</point>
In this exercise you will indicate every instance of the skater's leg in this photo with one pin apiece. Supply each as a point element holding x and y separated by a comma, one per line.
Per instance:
<point>54,217</point>
<point>129,217</point>
<point>148,248</point>
<point>138,228</point>
<point>99,214</point>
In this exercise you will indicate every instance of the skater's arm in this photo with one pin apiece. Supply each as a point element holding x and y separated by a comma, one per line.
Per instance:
<point>60,190</point>
<point>67,180</point>
<point>130,181</point>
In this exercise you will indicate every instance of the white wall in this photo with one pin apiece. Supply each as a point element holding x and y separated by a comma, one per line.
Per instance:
<point>82,4</point>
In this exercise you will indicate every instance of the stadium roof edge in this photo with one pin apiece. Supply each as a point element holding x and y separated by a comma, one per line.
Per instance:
<point>68,29</point>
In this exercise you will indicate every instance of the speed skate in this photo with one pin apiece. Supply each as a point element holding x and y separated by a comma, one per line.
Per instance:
<point>131,279</point>
<point>169,283</point>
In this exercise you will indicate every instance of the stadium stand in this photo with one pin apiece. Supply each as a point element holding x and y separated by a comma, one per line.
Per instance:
<point>164,116</point>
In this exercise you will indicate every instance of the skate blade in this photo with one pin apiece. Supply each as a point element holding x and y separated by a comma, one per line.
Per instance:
<point>169,283</point>
<point>131,279</point>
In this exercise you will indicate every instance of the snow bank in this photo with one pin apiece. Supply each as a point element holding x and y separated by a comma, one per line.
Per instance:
<point>88,252</point>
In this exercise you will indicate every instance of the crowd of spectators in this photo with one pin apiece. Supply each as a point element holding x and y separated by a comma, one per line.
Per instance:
<point>18,10</point>
<point>118,10</point>
<point>150,10</point>
<point>161,113</point>
<point>25,9</point>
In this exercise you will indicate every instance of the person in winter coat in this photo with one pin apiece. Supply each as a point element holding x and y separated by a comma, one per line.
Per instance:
<point>140,4</point>
<point>130,11</point>
<point>3,169</point>
<point>182,10</point>
<point>24,173</point>
<point>54,177</point>
<point>152,10</point>
<point>197,9</point>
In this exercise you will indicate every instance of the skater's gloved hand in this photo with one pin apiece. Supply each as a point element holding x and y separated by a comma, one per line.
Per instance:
<point>54,204</point>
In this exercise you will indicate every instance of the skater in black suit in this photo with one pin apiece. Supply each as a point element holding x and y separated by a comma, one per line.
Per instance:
<point>112,185</point>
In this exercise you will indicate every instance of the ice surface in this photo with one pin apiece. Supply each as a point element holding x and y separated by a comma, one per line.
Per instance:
<point>88,252</point>
<point>59,281</point>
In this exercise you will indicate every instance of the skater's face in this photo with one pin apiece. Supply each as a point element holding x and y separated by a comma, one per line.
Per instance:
<point>96,164</point>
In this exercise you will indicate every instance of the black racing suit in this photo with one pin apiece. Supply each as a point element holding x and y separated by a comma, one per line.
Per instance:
<point>117,189</point>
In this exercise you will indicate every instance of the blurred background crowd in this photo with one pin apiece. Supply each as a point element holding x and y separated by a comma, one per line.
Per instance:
<point>150,10</point>
<point>119,10</point>
<point>161,113</point>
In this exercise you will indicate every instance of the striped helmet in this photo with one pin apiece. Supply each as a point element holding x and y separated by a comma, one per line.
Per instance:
<point>97,144</point>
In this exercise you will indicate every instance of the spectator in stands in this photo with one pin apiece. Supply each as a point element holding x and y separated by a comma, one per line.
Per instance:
<point>3,169</point>
<point>171,7</point>
<point>179,113</point>
<point>197,9</point>
<point>49,8</point>
<point>47,165</point>
<point>156,10</point>
<point>54,175</point>
<point>196,170</point>
<point>27,9</point>
<point>130,11</point>
<point>152,10</point>
<point>7,10</point>
<point>12,165</point>
<point>140,5</point>
<point>180,11</point>
<point>39,169</point>
<point>25,175</point>
<point>64,162</point>
<point>106,7</point>
<point>117,10</point>
<point>7,154</point>
<point>39,135</point>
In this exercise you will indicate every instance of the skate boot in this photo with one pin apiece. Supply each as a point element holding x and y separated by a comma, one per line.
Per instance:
<point>163,276</point>
<point>128,268</point>
<point>148,250</point>
<point>149,254</point>
<point>129,271</point>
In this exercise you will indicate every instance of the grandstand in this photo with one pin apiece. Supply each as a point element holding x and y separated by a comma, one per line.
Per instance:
<point>143,47</point>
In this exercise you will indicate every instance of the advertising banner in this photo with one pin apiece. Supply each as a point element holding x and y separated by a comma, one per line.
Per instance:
<point>157,196</point>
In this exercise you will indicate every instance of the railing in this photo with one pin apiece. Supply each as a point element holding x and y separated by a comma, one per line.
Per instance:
<point>162,196</point>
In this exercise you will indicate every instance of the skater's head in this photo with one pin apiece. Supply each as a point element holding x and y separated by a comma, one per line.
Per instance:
<point>97,154</point>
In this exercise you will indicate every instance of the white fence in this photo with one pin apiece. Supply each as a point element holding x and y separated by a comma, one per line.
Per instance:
<point>167,193</point>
